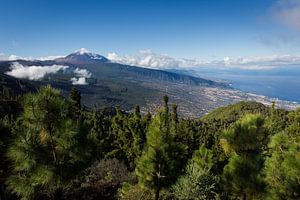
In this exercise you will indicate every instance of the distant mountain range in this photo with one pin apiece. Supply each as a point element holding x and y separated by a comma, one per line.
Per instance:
<point>104,83</point>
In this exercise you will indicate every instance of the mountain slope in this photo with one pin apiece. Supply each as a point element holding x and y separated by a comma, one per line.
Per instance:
<point>14,86</point>
<point>82,56</point>
<point>103,83</point>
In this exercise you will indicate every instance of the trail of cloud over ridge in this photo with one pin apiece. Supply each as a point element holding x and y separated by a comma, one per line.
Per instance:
<point>149,59</point>
<point>33,72</point>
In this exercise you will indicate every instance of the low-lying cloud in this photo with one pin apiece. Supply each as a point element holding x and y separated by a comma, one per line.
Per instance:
<point>16,57</point>
<point>33,72</point>
<point>262,62</point>
<point>39,72</point>
<point>149,59</point>
<point>79,81</point>
<point>82,75</point>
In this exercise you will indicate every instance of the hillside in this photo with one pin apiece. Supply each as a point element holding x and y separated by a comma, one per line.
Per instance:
<point>54,148</point>
<point>110,84</point>
<point>236,111</point>
<point>104,83</point>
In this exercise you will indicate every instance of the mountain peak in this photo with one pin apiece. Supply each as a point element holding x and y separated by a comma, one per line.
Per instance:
<point>82,56</point>
<point>82,51</point>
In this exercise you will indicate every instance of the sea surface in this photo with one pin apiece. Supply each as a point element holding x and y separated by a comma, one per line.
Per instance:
<point>283,84</point>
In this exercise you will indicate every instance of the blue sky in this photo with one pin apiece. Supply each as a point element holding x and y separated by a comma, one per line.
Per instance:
<point>202,29</point>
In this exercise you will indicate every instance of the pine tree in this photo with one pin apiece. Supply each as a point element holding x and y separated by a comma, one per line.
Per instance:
<point>198,183</point>
<point>282,168</point>
<point>158,166</point>
<point>277,120</point>
<point>100,134</point>
<point>5,138</point>
<point>244,144</point>
<point>46,153</point>
<point>75,97</point>
<point>123,138</point>
<point>75,105</point>
<point>137,129</point>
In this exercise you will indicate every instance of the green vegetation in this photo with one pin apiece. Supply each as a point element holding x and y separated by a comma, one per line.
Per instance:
<point>242,174</point>
<point>55,148</point>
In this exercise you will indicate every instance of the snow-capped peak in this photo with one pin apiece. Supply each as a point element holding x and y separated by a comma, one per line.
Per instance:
<point>82,51</point>
<point>82,56</point>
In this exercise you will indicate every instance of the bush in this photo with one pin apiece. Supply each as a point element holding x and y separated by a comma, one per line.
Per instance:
<point>134,192</point>
<point>102,180</point>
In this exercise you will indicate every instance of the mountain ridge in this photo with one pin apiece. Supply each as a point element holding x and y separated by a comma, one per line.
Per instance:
<point>82,56</point>
<point>107,84</point>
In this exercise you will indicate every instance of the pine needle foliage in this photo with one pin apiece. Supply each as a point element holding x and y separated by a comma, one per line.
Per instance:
<point>198,183</point>
<point>244,144</point>
<point>282,168</point>
<point>158,165</point>
<point>46,152</point>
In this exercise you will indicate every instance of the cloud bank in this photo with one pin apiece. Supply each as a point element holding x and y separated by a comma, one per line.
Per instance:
<point>16,57</point>
<point>33,72</point>
<point>39,72</point>
<point>262,62</point>
<point>82,75</point>
<point>149,59</point>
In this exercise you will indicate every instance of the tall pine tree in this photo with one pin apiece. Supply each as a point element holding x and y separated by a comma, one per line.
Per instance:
<point>244,144</point>
<point>158,166</point>
<point>282,168</point>
<point>47,151</point>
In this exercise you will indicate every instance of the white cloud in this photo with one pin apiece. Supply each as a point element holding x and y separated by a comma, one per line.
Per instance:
<point>82,75</point>
<point>147,58</point>
<point>79,81</point>
<point>47,58</point>
<point>33,72</point>
<point>287,12</point>
<point>38,72</point>
<point>82,72</point>
<point>82,51</point>
<point>29,58</point>
<point>262,62</point>
<point>15,57</point>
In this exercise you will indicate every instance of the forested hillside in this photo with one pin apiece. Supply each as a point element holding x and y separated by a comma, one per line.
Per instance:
<point>55,148</point>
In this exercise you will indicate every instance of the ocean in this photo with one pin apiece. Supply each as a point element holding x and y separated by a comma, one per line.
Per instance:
<point>283,84</point>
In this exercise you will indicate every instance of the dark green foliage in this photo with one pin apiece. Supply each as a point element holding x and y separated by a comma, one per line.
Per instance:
<point>277,120</point>
<point>234,112</point>
<point>100,181</point>
<point>283,166</point>
<point>5,138</point>
<point>100,134</point>
<point>74,105</point>
<point>48,145</point>
<point>159,164</point>
<point>123,138</point>
<point>75,96</point>
<point>244,144</point>
<point>198,182</point>
<point>46,152</point>
<point>137,127</point>
<point>135,192</point>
